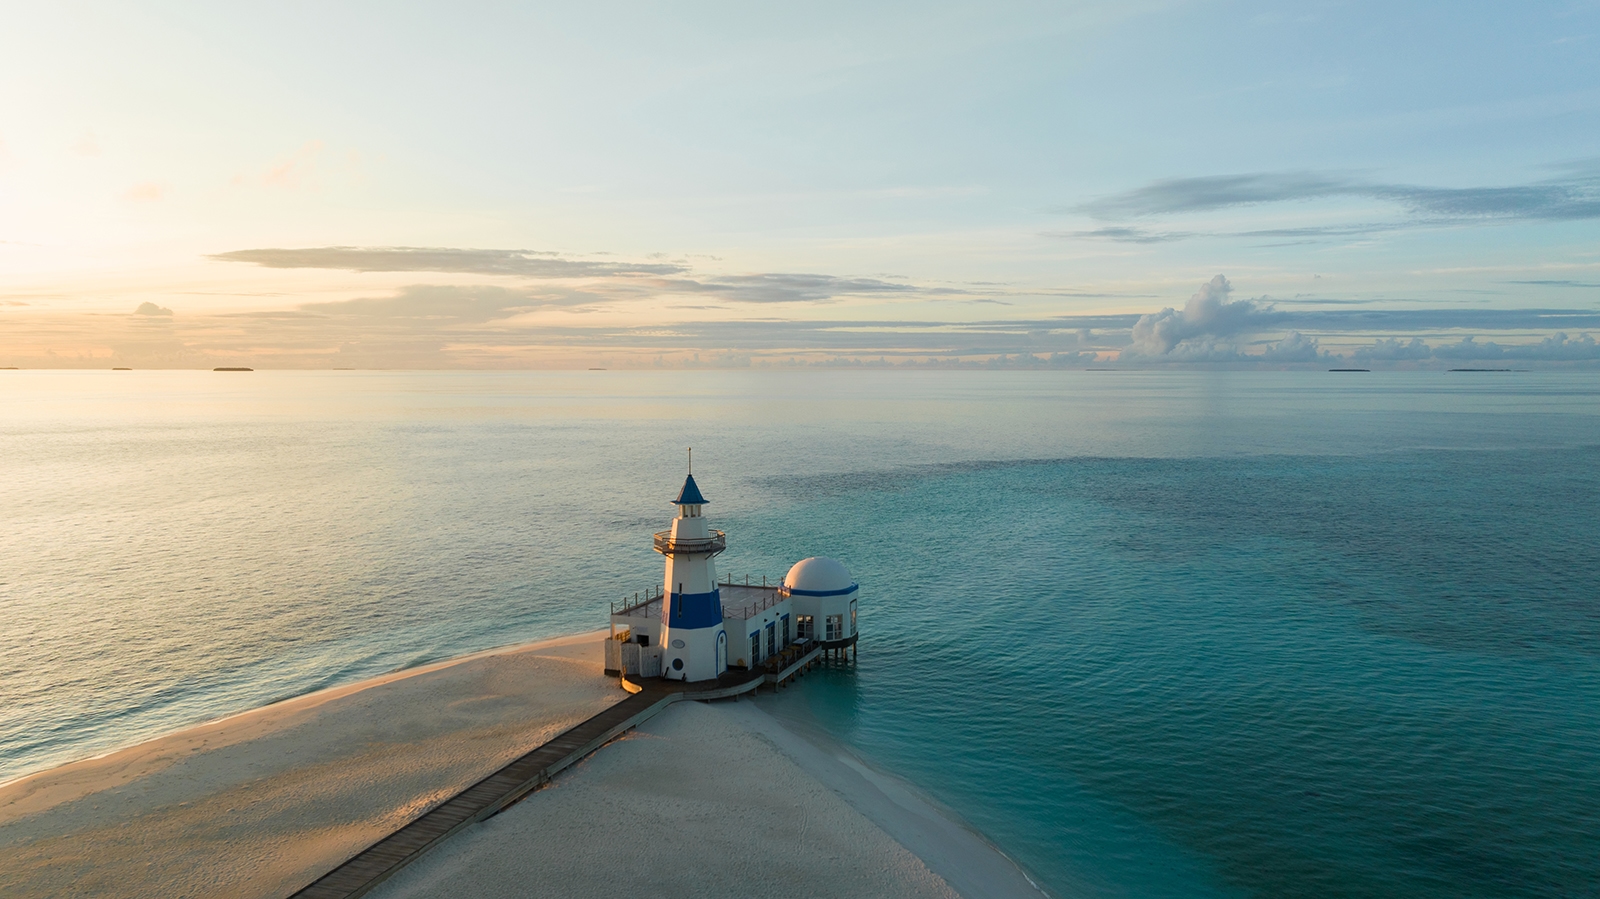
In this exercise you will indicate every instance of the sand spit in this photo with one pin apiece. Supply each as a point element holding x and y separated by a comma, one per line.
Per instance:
<point>259,804</point>
<point>713,800</point>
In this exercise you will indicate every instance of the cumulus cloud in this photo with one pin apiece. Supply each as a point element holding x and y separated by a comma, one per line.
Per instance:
<point>1393,349</point>
<point>1556,348</point>
<point>151,309</point>
<point>1295,347</point>
<point>1365,320</point>
<point>523,263</point>
<point>1208,316</point>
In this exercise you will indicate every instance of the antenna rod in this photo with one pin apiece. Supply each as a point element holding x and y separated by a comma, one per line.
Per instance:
<point>691,460</point>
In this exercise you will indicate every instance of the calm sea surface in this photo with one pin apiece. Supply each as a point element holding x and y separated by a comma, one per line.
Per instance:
<point>1155,634</point>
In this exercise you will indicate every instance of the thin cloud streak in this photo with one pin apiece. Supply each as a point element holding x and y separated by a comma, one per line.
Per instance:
<point>1574,196</point>
<point>1561,199</point>
<point>521,263</point>
<point>428,303</point>
<point>638,279</point>
<point>792,287</point>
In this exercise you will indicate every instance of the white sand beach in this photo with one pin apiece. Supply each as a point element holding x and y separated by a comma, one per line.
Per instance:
<point>259,804</point>
<point>705,800</point>
<point>715,800</point>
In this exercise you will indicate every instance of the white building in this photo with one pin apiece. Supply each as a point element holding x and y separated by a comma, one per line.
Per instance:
<point>696,628</point>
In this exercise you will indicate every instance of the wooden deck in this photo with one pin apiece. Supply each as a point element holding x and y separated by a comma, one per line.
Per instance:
<point>484,799</point>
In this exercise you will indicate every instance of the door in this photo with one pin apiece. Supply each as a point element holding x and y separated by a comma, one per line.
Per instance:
<point>722,651</point>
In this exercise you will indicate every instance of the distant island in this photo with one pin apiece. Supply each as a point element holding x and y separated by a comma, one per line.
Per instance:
<point>228,368</point>
<point>1349,369</point>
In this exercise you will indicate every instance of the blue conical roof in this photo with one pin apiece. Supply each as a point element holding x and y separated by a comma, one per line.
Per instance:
<point>690,494</point>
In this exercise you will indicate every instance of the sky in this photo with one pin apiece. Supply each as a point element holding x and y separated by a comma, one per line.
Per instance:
<point>523,185</point>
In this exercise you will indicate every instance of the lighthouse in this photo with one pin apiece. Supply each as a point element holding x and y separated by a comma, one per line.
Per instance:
<point>694,645</point>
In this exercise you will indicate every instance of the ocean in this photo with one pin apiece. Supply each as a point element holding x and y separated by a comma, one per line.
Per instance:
<point>1178,634</point>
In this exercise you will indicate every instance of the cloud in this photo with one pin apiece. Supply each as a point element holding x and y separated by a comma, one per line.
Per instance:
<point>146,192</point>
<point>793,288</point>
<point>1125,235</point>
<point>295,169</point>
<point>523,263</point>
<point>447,304</point>
<point>1215,192</point>
<point>1556,348</point>
<point>86,144</point>
<point>630,279</point>
<point>1414,320</point>
<point>1295,347</point>
<point>1555,283</point>
<point>1393,349</point>
<point>1208,315</point>
<point>1572,197</point>
<point>1365,320</point>
<point>1316,232</point>
<point>151,309</point>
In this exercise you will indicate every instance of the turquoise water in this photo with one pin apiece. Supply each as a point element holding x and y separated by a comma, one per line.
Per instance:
<point>1155,634</point>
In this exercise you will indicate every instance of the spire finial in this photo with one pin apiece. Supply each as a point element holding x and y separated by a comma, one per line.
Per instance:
<point>691,460</point>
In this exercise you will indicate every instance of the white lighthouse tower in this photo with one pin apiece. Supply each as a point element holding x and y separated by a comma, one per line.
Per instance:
<point>693,644</point>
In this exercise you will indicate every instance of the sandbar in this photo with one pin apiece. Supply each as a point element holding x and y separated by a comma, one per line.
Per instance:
<point>704,800</point>
<point>259,804</point>
<point>712,800</point>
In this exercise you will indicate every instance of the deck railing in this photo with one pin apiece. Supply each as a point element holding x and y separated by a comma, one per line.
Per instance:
<point>639,601</point>
<point>786,656</point>
<point>751,610</point>
<point>749,581</point>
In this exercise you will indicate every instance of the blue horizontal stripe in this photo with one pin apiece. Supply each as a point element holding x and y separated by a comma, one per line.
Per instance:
<point>850,589</point>
<point>692,611</point>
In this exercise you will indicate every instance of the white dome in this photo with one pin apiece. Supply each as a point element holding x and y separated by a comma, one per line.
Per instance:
<point>818,574</point>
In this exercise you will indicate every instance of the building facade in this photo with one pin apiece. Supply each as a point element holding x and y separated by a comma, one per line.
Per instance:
<point>695,627</point>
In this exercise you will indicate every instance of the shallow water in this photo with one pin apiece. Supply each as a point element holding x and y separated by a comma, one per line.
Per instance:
<point>1156,634</point>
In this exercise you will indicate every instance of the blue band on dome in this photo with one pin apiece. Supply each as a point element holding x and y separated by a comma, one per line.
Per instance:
<point>692,611</point>
<point>850,589</point>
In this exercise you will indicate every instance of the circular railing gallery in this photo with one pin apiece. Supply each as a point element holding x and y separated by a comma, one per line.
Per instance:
<point>717,542</point>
